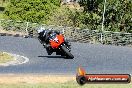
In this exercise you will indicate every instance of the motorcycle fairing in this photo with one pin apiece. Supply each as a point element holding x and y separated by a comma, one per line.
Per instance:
<point>57,41</point>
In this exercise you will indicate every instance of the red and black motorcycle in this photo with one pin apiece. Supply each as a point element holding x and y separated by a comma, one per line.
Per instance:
<point>59,45</point>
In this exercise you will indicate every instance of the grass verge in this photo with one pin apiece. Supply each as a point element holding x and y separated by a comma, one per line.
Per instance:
<point>5,57</point>
<point>49,81</point>
<point>71,84</point>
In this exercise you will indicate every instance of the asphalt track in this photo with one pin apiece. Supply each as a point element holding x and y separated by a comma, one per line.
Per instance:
<point>92,57</point>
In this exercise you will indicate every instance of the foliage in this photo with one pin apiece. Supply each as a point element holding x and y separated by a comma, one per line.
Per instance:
<point>90,5</point>
<point>60,17</point>
<point>31,10</point>
<point>66,17</point>
<point>118,16</point>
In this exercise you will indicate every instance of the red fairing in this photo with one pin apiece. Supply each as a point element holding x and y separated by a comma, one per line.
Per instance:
<point>55,44</point>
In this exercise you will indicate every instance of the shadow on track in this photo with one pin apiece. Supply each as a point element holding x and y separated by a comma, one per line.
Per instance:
<point>53,56</point>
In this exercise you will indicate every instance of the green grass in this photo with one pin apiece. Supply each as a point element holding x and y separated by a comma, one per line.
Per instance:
<point>5,57</point>
<point>64,85</point>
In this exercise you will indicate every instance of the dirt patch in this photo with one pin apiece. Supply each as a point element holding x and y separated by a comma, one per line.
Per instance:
<point>33,79</point>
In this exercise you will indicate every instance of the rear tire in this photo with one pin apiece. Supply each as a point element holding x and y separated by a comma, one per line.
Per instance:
<point>68,54</point>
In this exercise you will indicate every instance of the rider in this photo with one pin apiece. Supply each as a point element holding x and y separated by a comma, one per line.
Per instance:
<point>44,38</point>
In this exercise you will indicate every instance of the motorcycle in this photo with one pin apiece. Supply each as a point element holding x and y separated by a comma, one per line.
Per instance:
<point>59,45</point>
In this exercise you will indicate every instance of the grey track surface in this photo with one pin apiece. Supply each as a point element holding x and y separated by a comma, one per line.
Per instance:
<point>93,58</point>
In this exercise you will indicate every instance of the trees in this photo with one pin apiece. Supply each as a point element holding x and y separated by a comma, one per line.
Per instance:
<point>31,10</point>
<point>90,5</point>
<point>117,17</point>
<point>91,17</point>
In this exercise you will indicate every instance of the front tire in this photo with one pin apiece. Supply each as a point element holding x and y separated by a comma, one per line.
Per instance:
<point>68,54</point>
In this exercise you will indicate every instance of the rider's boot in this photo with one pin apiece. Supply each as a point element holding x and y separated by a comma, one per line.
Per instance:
<point>49,50</point>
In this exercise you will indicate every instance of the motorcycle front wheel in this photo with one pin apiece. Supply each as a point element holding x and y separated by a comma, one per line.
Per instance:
<point>68,54</point>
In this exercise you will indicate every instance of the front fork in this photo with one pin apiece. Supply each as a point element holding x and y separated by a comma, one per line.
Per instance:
<point>67,46</point>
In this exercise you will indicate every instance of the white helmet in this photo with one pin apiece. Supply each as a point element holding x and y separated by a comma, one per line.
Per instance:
<point>41,29</point>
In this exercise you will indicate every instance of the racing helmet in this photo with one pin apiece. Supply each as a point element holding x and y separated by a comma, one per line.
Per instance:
<point>41,31</point>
